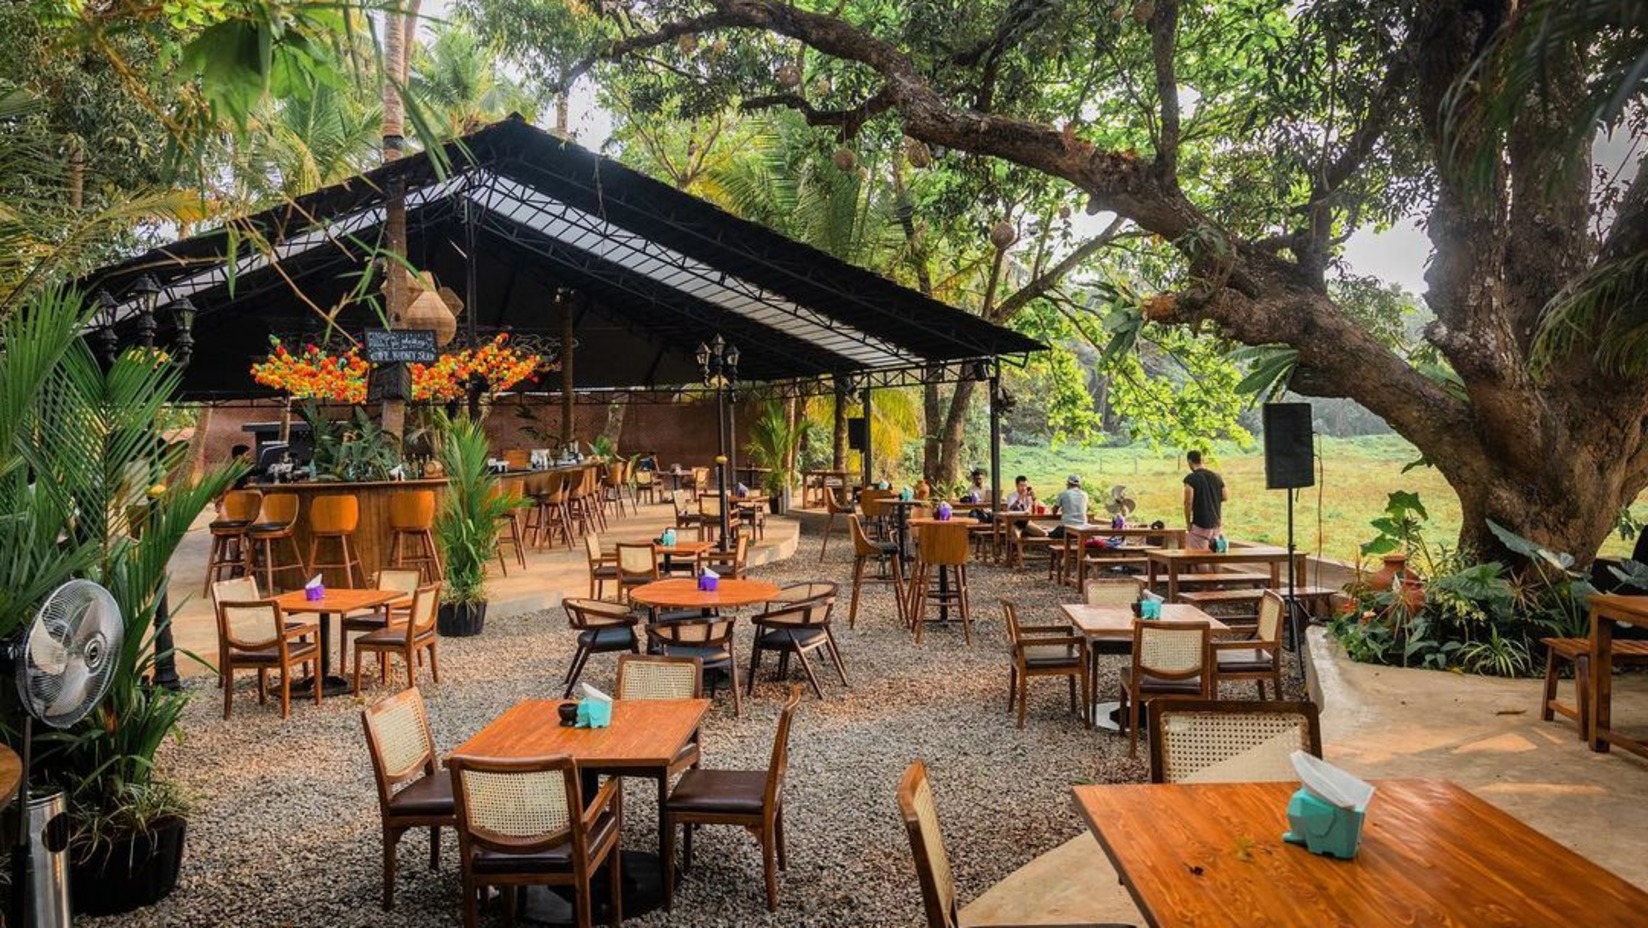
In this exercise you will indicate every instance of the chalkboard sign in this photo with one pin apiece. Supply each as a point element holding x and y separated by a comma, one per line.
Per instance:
<point>402,346</point>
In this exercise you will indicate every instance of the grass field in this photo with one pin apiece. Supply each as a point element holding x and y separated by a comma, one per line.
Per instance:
<point>1331,519</point>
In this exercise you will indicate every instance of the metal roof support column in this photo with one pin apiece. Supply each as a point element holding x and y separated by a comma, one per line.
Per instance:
<point>995,439</point>
<point>563,300</point>
<point>869,458</point>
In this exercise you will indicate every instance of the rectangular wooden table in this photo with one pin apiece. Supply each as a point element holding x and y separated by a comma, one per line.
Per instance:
<point>1173,560</point>
<point>1212,856</point>
<point>1138,540</point>
<point>1606,609</point>
<point>335,602</point>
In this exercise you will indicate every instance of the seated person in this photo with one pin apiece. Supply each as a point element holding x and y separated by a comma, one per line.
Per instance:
<point>1071,507</point>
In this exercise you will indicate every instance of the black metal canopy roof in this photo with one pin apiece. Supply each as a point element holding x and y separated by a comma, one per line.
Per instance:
<point>519,214</point>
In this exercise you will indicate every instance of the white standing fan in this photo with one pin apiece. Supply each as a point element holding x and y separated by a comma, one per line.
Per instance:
<point>1120,504</point>
<point>65,661</point>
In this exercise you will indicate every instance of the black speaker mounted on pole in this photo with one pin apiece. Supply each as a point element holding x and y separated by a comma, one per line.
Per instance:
<point>1290,463</point>
<point>855,433</point>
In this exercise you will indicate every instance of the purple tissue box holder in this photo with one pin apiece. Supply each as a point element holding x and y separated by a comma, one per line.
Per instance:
<point>314,594</point>
<point>708,584</point>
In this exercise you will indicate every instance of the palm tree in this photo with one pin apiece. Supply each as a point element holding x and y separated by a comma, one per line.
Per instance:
<point>457,81</point>
<point>319,136</point>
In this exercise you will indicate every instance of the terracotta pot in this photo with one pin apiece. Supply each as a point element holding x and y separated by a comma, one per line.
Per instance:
<point>1396,565</point>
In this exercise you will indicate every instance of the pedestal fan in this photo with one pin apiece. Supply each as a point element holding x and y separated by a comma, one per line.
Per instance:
<point>65,661</point>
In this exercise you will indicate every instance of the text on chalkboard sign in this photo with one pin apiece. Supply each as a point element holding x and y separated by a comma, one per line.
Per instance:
<point>400,346</point>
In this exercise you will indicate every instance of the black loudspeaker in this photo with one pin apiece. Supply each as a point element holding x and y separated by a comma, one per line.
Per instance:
<point>1289,446</point>
<point>855,434</point>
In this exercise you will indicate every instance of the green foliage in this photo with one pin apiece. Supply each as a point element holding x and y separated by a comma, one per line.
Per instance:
<point>356,451</point>
<point>774,440</point>
<point>98,508</point>
<point>1477,617</point>
<point>466,527</point>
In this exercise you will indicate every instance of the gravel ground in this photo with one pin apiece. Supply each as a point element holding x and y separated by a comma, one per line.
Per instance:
<point>285,826</point>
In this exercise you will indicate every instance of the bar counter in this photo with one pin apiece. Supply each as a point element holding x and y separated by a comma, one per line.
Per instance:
<point>372,538</point>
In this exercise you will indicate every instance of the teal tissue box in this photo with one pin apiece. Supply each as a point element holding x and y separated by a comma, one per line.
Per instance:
<point>594,713</point>
<point>1322,827</point>
<point>1150,609</point>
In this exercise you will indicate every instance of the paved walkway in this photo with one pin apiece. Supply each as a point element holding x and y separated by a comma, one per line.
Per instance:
<point>1483,733</point>
<point>550,573</point>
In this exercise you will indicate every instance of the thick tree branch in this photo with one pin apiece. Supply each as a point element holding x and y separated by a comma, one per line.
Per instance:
<point>1164,28</point>
<point>849,121</point>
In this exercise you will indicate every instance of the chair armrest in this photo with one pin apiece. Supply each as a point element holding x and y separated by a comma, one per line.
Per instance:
<point>1076,641</point>
<point>1044,629</point>
<point>297,628</point>
<point>605,797</point>
<point>1246,644</point>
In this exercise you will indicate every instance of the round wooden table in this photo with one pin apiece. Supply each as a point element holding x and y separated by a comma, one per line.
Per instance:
<point>683,593</point>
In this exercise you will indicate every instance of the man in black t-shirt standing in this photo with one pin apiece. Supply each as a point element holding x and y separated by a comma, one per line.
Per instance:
<point>1204,497</point>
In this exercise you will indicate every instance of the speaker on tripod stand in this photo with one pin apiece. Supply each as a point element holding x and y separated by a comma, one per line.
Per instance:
<point>1290,458</point>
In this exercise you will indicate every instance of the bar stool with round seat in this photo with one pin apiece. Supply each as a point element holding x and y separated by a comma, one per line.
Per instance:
<point>412,519</point>
<point>275,522</point>
<point>334,518</point>
<point>941,546</point>
<point>228,554</point>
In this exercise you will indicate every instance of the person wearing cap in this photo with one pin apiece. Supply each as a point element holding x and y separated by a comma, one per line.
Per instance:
<point>1071,506</point>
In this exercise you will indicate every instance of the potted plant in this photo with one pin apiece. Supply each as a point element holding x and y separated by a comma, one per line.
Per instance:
<point>358,450</point>
<point>466,526</point>
<point>63,416</point>
<point>774,442</point>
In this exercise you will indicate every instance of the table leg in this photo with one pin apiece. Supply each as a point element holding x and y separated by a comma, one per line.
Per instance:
<point>1173,583</point>
<point>944,594</point>
<point>1602,681</point>
<point>330,684</point>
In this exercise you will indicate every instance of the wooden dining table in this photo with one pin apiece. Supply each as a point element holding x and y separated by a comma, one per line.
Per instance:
<point>644,733</point>
<point>335,601</point>
<point>1211,855</point>
<point>1605,610</point>
<point>1173,561</point>
<point>1109,630</point>
<point>683,593</point>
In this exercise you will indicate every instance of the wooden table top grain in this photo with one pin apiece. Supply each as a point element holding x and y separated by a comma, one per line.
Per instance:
<point>683,593</point>
<point>337,600</point>
<point>643,733</point>
<point>1212,856</point>
<point>11,774</point>
<point>1117,621</point>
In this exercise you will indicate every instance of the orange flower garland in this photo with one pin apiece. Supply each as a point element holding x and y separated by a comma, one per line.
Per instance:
<point>502,365</point>
<point>312,373</point>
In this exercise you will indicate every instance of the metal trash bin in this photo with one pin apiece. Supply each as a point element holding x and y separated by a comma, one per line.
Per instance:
<point>48,891</point>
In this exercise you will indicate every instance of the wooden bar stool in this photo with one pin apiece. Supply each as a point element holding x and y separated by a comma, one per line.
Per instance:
<point>549,516</point>
<point>334,518</point>
<point>412,519</point>
<point>512,489</point>
<point>228,554</point>
<point>891,567</point>
<point>941,546</point>
<point>276,519</point>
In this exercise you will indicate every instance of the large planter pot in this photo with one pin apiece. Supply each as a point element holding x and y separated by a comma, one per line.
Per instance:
<point>130,872</point>
<point>1397,574</point>
<point>779,502</point>
<point>460,620</point>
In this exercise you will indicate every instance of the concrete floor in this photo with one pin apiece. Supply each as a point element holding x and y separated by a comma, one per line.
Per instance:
<point>1483,733</point>
<point>550,573</point>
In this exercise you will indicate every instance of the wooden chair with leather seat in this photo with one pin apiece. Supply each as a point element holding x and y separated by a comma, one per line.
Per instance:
<point>1258,658</point>
<point>1169,659</point>
<point>413,791</point>
<point>644,484</point>
<point>637,564</point>
<point>654,676</point>
<point>890,569</point>
<point>523,822</point>
<point>409,639</point>
<point>229,548</point>
<point>602,567</point>
<point>1112,591</point>
<point>699,481</point>
<point>709,640</point>
<point>275,523</point>
<point>684,516</point>
<point>403,580</point>
<point>335,518</point>
<point>603,628</point>
<point>412,522</point>
<point>753,799</point>
<point>709,517</point>
<point>938,888</point>
<point>255,635</point>
<point>796,628</point>
<point>835,508</point>
<point>731,563</point>
<point>1046,651</point>
<point>1230,741</point>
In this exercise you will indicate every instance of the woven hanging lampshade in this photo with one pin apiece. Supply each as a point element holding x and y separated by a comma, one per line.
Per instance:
<point>427,310</point>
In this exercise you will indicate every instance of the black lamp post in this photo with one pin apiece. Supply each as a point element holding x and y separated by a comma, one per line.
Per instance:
<point>183,320</point>
<point>146,294</point>
<point>719,362</point>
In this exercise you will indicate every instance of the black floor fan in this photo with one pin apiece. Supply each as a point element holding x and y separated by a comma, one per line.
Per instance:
<point>64,662</point>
